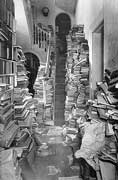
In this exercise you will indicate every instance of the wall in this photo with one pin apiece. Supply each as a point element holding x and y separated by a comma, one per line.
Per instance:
<point>24,23</point>
<point>54,11</point>
<point>22,31</point>
<point>111,34</point>
<point>91,13</point>
<point>86,13</point>
<point>50,19</point>
<point>67,5</point>
<point>58,11</point>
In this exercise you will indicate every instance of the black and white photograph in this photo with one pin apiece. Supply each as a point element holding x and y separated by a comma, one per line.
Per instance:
<point>58,89</point>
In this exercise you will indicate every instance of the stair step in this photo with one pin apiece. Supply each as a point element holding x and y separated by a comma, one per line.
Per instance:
<point>60,70</point>
<point>59,107</point>
<point>60,77</point>
<point>60,81</point>
<point>59,92</point>
<point>60,86</point>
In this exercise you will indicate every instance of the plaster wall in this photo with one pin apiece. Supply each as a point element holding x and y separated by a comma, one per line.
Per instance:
<point>86,12</point>
<point>111,34</point>
<point>22,31</point>
<point>23,24</point>
<point>54,10</point>
<point>91,13</point>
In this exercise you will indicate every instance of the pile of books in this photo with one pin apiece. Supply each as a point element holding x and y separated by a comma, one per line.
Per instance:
<point>6,103</point>
<point>39,89</point>
<point>77,66</point>
<point>22,99</point>
<point>49,92</point>
<point>53,71</point>
<point>22,79</point>
<point>106,102</point>
<point>39,93</point>
<point>38,85</point>
<point>40,111</point>
<point>48,115</point>
<point>104,109</point>
<point>49,99</point>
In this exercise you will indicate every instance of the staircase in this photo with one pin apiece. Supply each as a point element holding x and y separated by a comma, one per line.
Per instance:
<point>60,82</point>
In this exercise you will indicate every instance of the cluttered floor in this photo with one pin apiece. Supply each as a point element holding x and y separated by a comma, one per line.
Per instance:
<point>67,154</point>
<point>53,158</point>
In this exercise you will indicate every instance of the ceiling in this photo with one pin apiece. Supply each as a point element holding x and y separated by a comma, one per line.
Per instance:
<point>66,5</point>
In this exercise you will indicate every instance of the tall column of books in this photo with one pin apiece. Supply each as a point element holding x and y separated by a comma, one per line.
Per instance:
<point>23,101</point>
<point>44,94</point>
<point>77,76</point>
<point>39,96</point>
<point>44,86</point>
<point>49,100</point>
<point>49,85</point>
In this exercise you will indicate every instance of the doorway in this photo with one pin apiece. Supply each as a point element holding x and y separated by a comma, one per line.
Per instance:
<point>63,25</point>
<point>32,65</point>
<point>97,70</point>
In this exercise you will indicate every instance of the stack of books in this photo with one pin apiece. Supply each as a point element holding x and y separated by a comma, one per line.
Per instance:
<point>77,76</point>
<point>49,99</point>
<point>38,85</point>
<point>39,93</point>
<point>6,103</point>
<point>40,111</point>
<point>22,79</point>
<point>22,99</point>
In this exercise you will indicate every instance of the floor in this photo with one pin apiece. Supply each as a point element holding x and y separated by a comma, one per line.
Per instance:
<point>56,162</point>
<point>54,165</point>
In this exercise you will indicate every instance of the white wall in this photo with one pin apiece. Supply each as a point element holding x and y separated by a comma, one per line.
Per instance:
<point>22,31</point>
<point>87,12</point>
<point>91,13</point>
<point>111,34</point>
<point>49,20</point>
<point>54,11</point>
